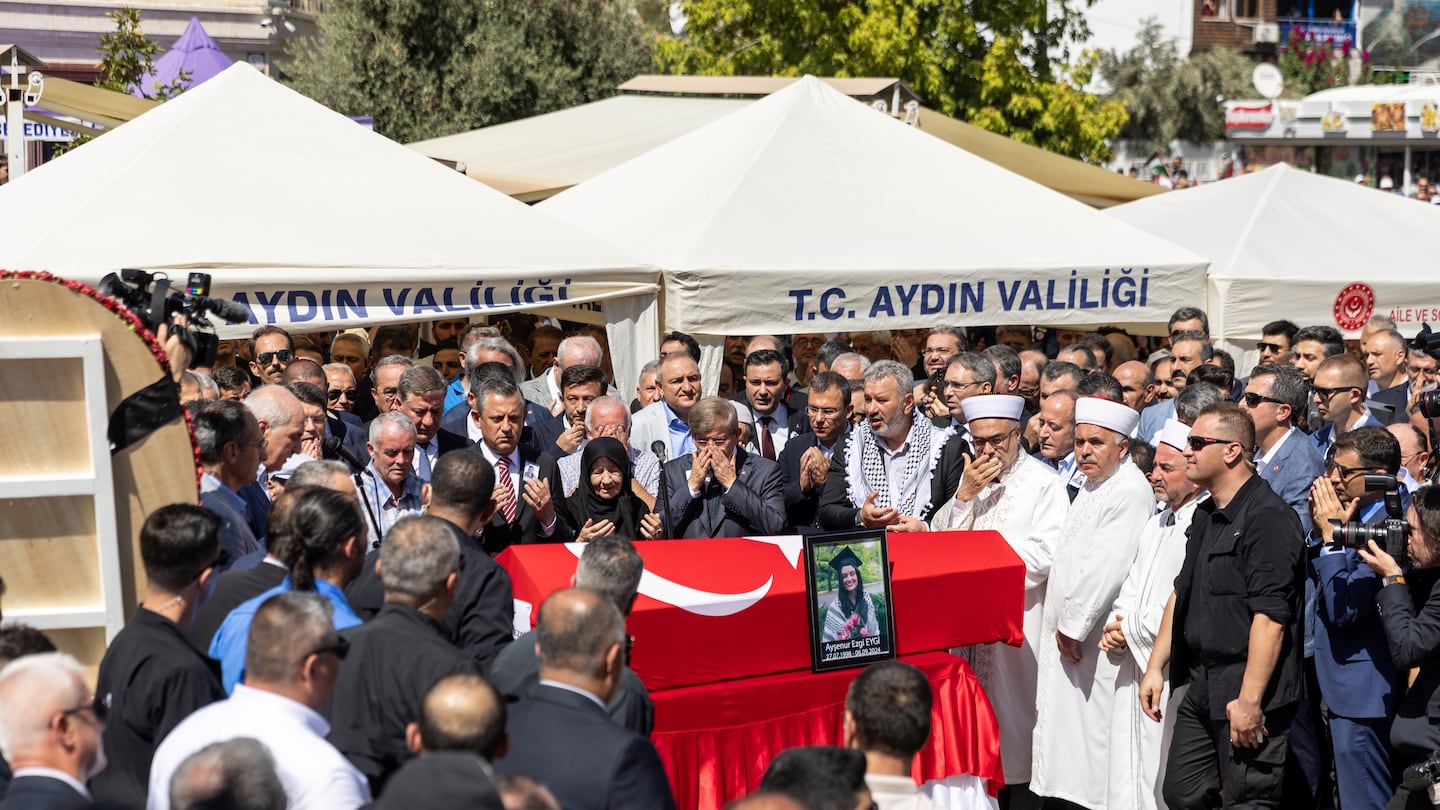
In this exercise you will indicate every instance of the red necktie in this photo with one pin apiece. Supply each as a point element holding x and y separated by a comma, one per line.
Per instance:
<point>767,444</point>
<point>510,503</point>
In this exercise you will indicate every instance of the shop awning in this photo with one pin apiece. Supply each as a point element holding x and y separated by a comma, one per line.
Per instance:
<point>96,105</point>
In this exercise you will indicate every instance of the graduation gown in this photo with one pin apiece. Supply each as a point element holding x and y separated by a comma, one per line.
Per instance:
<point>1073,701</point>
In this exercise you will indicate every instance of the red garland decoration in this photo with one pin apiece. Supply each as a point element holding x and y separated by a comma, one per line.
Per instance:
<point>136,325</point>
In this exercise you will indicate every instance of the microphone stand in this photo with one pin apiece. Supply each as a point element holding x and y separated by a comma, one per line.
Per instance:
<point>658,448</point>
<point>335,446</point>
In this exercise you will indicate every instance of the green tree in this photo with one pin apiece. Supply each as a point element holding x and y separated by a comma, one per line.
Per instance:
<point>991,61</point>
<point>1170,98</point>
<point>426,68</point>
<point>126,54</point>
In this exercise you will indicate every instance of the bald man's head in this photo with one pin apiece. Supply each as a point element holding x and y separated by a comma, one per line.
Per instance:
<point>461,713</point>
<point>576,630</point>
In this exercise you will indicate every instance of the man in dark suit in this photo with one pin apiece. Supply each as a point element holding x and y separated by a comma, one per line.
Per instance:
<point>778,410</point>
<point>527,484</point>
<point>611,568</point>
<point>422,398</point>
<point>561,734</point>
<point>1352,661</point>
<point>905,466</point>
<point>564,433</point>
<point>805,461</point>
<point>52,733</point>
<point>460,426</point>
<point>720,490</point>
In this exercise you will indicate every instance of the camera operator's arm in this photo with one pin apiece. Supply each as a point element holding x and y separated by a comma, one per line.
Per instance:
<point>1412,638</point>
<point>175,350</point>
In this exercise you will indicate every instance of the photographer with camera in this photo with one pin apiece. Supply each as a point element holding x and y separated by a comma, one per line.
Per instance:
<point>1359,683</point>
<point>1409,604</point>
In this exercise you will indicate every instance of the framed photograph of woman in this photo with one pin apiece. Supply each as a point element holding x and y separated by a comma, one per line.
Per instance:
<point>847,579</point>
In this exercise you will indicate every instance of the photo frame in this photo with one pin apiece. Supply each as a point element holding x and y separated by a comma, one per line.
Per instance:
<point>858,629</point>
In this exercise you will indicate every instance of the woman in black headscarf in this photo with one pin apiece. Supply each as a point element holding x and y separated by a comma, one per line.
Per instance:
<point>605,502</point>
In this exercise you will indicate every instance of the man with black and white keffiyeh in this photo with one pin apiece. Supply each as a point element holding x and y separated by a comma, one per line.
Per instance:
<point>892,470</point>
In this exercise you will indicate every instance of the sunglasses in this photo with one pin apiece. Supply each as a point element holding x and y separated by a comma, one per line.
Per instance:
<point>1326,393</point>
<point>283,355</point>
<point>1198,443</point>
<point>1273,348</point>
<point>1345,472</point>
<point>341,648</point>
<point>336,393</point>
<point>1253,400</point>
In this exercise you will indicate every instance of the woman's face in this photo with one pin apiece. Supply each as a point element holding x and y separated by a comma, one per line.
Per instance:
<point>1422,553</point>
<point>849,578</point>
<point>605,479</point>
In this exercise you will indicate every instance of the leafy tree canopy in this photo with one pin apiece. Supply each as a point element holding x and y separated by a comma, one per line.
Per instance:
<point>426,68</point>
<point>997,63</point>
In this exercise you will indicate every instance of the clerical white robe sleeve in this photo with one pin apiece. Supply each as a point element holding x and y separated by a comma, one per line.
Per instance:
<point>1104,562</point>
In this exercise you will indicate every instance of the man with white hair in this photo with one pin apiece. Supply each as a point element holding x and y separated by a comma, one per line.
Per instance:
<point>292,659</point>
<point>392,490</point>
<point>1137,743</point>
<point>50,729</point>
<point>1009,491</point>
<point>1096,548</point>
<point>581,350</point>
<point>282,424</point>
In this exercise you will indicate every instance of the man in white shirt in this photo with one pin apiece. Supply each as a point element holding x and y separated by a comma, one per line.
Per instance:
<point>291,664</point>
<point>1137,744</point>
<point>1007,491</point>
<point>887,717</point>
<point>1096,547</point>
<point>1339,388</point>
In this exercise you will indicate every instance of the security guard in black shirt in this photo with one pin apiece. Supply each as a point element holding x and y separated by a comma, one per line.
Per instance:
<point>1232,628</point>
<point>152,677</point>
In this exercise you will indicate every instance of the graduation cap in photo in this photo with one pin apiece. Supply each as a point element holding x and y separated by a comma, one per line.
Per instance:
<point>844,558</point>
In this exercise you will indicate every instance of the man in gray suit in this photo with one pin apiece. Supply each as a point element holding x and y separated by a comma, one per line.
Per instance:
<point>720,490</point>
<point>580,350</point>
<point>666,420</point>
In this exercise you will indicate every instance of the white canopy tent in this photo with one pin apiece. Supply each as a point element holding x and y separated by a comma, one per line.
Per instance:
<point>1285,243</point>
<point>808,211</point>
<point>310,220</point>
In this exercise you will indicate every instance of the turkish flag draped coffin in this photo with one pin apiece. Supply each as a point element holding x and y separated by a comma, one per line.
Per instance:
<point>720,609</point>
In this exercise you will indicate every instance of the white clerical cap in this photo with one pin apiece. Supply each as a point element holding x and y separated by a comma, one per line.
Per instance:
<point>1174,433</point>
<point>1116,416</point>
<point>994,406</point>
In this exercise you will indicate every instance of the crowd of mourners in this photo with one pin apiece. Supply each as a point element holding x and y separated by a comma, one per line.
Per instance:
<point>1227,594</point>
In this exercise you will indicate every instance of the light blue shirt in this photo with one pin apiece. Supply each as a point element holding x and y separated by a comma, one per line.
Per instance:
<point>679,432</point>
<point>228,646</point>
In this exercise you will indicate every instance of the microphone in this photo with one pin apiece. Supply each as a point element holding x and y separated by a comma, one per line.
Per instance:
<point>230,311</point>
<point>663,498</point>
<point>334,446</point>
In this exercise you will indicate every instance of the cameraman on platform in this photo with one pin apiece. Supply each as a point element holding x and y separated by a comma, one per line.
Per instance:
<point>1357,679</point>
<point>1409,603</point>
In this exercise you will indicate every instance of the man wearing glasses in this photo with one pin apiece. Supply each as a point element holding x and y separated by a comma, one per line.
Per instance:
<point>291,664</point>
<point>1352,660</point>
<point>1231,629</point>
<point>805,461</point>
<point>1008,491</point>
<point>152,677</point>
<point>967,375</point>
<point>1339,388</point>
<point>52,733</point>
<point>1277,342</point>
<point>271,350</point>
<point>1287,460</point>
